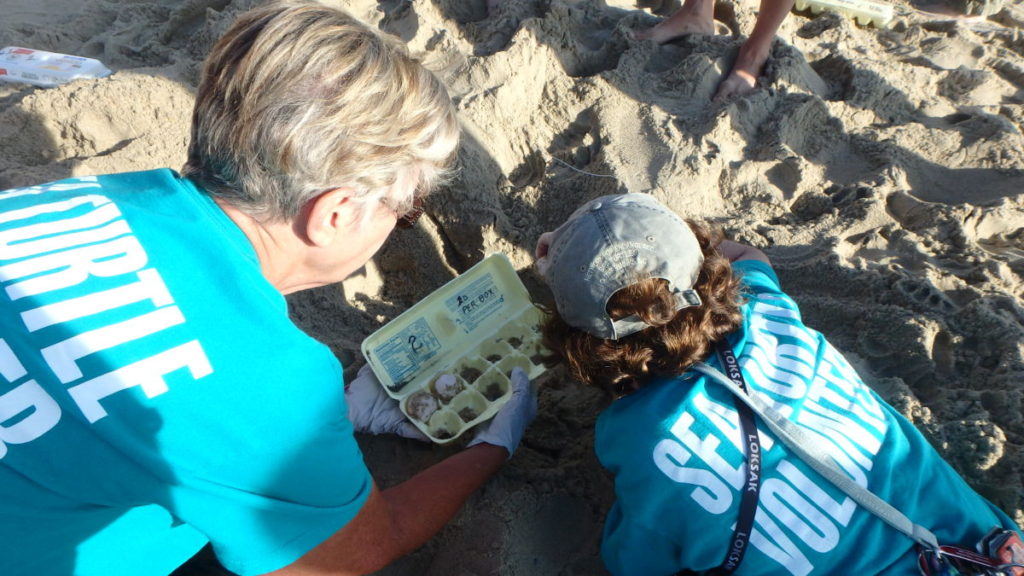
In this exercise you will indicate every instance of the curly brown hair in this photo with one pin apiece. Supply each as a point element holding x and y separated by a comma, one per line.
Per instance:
<point>672,342</point>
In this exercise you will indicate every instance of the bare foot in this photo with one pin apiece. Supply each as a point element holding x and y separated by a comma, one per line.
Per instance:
<point>736,84</point>
<point>680,24</point>
<point>749,64</point>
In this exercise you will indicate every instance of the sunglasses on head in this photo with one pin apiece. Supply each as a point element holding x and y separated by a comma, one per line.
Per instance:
<point>408,220</point>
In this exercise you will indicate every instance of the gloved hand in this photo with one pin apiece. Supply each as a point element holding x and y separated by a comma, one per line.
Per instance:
<point>371,410</point>
<point>508,425</point>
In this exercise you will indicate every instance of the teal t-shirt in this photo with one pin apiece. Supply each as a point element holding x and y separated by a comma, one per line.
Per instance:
<point>674,448</point>
<point>154,394</point>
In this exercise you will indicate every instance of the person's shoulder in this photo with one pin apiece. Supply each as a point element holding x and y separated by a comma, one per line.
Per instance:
<point>638,417</point>
<point>152,177</point>
<point>757,276</point>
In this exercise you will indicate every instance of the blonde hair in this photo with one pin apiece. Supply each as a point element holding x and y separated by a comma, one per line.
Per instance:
<point>672,342</point>
<point>298,98</point>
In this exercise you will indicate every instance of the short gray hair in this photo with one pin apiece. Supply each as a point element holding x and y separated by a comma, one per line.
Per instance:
<point>297,98</point>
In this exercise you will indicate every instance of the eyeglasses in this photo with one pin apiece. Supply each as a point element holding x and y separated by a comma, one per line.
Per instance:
<point>408,220</point>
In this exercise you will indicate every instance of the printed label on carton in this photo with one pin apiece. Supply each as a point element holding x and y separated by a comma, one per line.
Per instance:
<point>404,353</point>
<point>476,303</point>
<point>47,69</point>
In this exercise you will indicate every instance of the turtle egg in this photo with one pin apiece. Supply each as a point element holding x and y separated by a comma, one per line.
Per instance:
<point>421,406</point>
<point>447,387</point>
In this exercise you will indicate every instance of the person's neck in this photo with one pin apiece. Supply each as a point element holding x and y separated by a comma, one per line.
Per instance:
<point>279,249</point>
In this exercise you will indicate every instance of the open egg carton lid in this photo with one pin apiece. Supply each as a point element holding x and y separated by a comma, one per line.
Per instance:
<point>448,358</point>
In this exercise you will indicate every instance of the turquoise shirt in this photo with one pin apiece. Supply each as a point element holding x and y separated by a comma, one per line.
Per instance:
<point>674,448</point>
<point>154,394</point>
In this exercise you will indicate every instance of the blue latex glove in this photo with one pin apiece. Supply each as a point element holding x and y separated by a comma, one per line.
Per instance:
<point>507,427</point>
<point>371,410</point>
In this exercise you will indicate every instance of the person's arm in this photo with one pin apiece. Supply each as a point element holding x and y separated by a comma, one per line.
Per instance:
<point>735,252</point>
<point>396,521</point>
<point>400,519</point>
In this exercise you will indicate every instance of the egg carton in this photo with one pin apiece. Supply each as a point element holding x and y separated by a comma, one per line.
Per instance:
<point>448,360</point>
<point>865,12</point>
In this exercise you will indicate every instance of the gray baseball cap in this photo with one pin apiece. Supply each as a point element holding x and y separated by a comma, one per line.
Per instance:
<point>610,243</point>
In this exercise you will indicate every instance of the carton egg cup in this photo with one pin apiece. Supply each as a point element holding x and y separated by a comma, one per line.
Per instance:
<point>476,328</point>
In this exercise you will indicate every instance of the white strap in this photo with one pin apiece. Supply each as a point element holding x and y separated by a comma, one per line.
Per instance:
<point>812,453</point>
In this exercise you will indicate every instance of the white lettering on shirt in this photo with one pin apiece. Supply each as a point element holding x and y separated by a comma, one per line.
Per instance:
<point>100,223</point>
<point>147,374</point>
<point>772,540</point>
<point>35,410</point>
<point>63,356</point>
<point>809,382</point>
<point>707,448</point>
<point>71,267</point>
<point>149,287</point>
<point>82,183</point>
<point>49,247</point>
<point>711,493</point>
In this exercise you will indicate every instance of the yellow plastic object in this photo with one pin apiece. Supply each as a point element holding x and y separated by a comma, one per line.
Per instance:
<point>864,11</point>
<point>476,328</point>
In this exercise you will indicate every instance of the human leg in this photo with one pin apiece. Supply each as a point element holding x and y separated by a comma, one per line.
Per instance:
<point>754,52</point>
<point>694,17</point>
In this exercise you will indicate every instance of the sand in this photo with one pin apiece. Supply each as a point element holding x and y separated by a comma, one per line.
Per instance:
<point>881,170</point>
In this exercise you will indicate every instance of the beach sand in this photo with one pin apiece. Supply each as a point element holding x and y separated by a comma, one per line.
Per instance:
<point>880,169</point>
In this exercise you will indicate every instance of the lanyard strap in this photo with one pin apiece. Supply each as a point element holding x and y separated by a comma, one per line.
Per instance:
<point>812,453</point>
<point>752,450</point>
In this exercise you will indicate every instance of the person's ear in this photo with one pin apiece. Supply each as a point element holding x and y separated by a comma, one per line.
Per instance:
<point>331,215</point>
<point>543,243</point>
